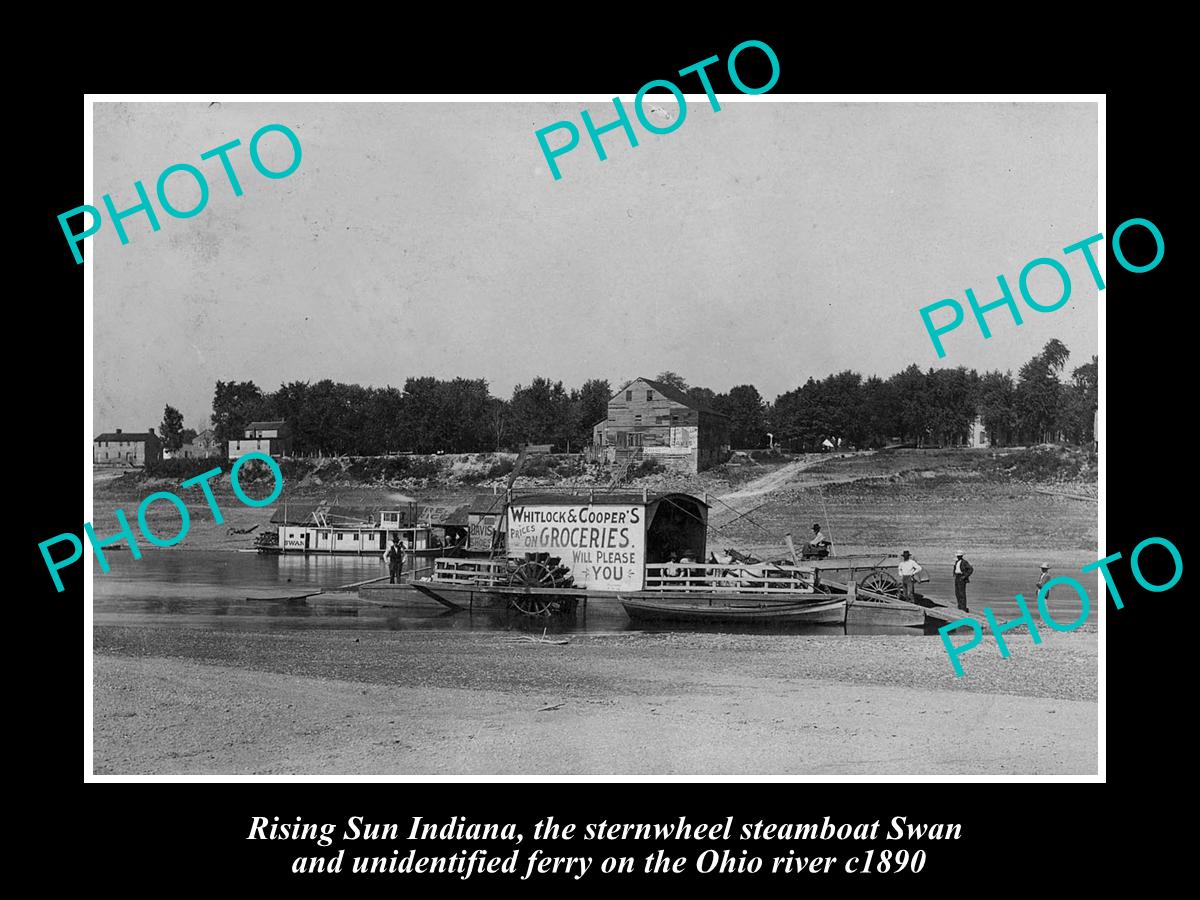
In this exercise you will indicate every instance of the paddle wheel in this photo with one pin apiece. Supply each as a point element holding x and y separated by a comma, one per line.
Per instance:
<point>881,582</point>
<point>542,572</point>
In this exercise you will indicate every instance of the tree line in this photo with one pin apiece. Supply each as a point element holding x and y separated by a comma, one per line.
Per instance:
<point>935,407</point>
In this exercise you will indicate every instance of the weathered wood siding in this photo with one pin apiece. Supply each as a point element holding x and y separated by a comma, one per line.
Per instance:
<point>700,438</point>
<point>640,409</point>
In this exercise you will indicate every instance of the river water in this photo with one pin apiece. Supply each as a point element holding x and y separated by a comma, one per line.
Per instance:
<point>213,588</point>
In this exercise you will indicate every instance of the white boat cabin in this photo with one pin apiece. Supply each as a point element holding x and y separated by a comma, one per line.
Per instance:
<point>324,528</point>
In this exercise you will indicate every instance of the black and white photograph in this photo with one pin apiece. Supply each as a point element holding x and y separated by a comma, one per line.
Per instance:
<point>508,437</point>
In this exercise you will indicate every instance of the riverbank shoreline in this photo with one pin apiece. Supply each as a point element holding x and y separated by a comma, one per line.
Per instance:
<point>197,701</point>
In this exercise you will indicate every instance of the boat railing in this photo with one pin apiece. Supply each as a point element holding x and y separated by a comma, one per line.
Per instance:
<point>755,578</point>
<point>470,571</point>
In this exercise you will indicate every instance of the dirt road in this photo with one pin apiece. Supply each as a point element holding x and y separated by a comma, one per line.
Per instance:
<point>784,476</point>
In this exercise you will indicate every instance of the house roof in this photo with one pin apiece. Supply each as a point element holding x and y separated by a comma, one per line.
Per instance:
<point>265,426</point>
<point>673,393</point>
<point>126,436</point>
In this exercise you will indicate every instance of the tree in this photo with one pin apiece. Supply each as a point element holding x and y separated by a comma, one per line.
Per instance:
<point>911,404</point>
<point>235,405</point>
<point>747,416</point>
<point>880,419</point>
<point>592,404</point>
<point>187,436</point>
<point>498,416</point>
<point>171,428</point>
<point>1080,399</point>
<point>1038,393</point>
<point>673,379</point>
<point>703,396</point>
<point>995,400</point>
<point>950,399</point>
<point>541,413</point>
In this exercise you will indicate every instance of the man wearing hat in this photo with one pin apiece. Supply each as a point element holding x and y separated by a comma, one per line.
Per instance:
<point>819,545</point>
<point>395,560</point>
<point>1043,578</point>
<point>908,570</point>
<point>963,571</point>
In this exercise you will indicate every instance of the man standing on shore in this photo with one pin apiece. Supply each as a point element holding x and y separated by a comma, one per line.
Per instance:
<point>908,570</point>
<point>395,558</point>
<point>1043,578</point>
<point>963,571</point>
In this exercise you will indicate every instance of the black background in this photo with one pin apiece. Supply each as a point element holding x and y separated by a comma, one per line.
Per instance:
<point>171,835</point>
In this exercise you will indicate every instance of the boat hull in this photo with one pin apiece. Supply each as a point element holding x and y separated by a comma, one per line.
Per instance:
<point>824,611</point>
<point>870,613</point>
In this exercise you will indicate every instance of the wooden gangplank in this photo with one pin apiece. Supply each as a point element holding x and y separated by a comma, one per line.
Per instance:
<point>939,614</point>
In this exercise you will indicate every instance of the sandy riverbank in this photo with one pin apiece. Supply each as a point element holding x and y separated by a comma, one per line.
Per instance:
<point>192,700</point>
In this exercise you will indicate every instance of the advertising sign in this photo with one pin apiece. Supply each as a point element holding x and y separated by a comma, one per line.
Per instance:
<point>603,546</point>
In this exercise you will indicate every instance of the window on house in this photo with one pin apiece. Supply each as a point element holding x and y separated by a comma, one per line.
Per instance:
<point>637,420</point>
<point>628,396</point>
<point>649,395</point>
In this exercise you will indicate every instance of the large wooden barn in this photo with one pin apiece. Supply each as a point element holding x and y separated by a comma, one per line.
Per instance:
<point>651,420</point>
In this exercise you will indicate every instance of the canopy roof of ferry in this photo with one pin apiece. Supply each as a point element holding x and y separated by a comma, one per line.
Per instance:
<point>601,498</point>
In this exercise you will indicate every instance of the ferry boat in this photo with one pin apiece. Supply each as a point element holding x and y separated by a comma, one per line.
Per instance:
<point>644,550</point>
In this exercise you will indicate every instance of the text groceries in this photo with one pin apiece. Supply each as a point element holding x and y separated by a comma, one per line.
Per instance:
<point>1006,298</point>
<point>622,120</point>
<point>145,206</point>
<point>125,533</point>
<point>1025,618</point>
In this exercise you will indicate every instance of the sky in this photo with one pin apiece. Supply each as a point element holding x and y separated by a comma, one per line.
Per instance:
<point>764,244</point>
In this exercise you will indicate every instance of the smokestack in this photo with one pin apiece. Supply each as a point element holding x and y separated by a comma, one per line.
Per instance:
<point>150,430</point>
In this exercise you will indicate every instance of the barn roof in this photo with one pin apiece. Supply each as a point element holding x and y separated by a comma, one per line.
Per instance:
<point>673,393</point>
<point>266,426</point>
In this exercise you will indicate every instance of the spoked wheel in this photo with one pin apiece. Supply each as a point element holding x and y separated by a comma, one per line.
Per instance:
<point>534,606</point>
<point>540,570</point>
<point>881,583</point>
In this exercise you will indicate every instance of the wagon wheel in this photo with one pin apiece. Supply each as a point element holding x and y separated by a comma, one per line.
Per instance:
<point>881,583</point>
<point>539,574</point>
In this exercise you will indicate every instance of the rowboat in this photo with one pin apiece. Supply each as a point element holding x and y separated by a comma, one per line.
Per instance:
<point>660,606</point>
